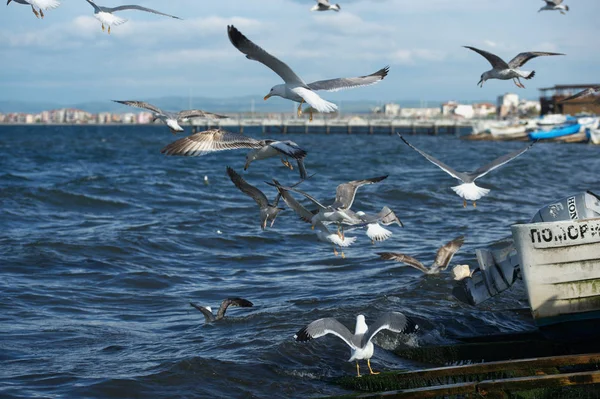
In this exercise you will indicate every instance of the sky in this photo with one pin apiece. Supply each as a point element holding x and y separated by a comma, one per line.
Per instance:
<point>66,58</point>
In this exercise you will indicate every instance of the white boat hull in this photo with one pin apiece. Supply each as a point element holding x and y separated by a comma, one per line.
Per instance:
<point>509,131</point>
<point>595,136</point>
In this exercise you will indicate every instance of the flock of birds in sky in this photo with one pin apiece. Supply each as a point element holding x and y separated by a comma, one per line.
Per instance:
<point>339,212</point>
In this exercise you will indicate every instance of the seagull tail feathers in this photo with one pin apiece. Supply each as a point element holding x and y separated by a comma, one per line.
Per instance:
<point>531,75</point>
<point>470,191</point>
<point>377,233</point>
<point>336,7</point>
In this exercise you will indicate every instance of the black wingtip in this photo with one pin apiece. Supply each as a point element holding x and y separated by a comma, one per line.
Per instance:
<point>235,36</point>
<point>302,335</point>
<point>241,302</point>
<point>411,326</point>
<point>384,72</point>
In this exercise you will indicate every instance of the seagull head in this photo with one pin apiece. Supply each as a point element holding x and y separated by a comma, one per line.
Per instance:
<point>484,76</point>
<point>249,159</point>
<point>278,90</point>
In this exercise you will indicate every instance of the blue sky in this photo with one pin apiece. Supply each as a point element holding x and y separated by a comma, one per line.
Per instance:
<point>66,58</point>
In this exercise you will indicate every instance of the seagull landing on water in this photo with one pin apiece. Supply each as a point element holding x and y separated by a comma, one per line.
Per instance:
<point>267,211</point>
<point>210,317</point>
<point>468,190</point>
<point>555,5</point>
<point>360,343</point>
<point>295,88</point>
<point>214,140</point>
<point>442,257</point>
<point>106,17</point>
<point>172,119</point>
<point>40,4</point>
<point>324,5</point>
<point>503,71</point>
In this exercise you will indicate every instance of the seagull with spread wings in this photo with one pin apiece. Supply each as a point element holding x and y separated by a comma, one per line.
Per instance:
<point>295,88</point>
<point>555,5</point>
<point>40,4</point>
<point>268,211</point>
<point>324,5</point>
<point>106,17</point>
<point>210,317</point>
<point>592,91</point>
<point>503,71</point>
<point>468,190</point>
<point>172,119</point>
<point>214,140</point>
<point>442,257</point>
<point>360,343</point>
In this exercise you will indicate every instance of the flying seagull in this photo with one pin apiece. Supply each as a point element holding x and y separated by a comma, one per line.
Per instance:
<point>324,5</point>
<point>40,4</point>
<point>555,5</point>
<point>502,70</point>
<point>323,233</point>
<point>374,231</point>
<point>210,317</point>
<point>106,17</point>
<point>295,88</point>
<point>584,93</point>
<point>468,190</point>
<point>360,343</point>
<point>172,119</point>
<point>267,211</point>
<point>442,257</point>
<point>220,140</point>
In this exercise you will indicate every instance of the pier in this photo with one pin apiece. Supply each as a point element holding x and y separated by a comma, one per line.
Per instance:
<point>354,125</point>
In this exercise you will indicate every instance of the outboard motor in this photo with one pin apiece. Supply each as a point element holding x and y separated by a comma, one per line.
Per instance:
<point>499,265</point>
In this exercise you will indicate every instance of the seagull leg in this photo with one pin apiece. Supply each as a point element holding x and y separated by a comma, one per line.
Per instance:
<point>343,256</point>
<point>464,203</point>
<point>172,131</point>
<point>37,15</point>
<point>102,27</point>
<point>41,13</point>
<point>370,369</point>
<point>335,252</point>
<point>474,204</point>
<point>300,108</point>
<point>357,369</point>
<point>310,119</point>
<point>109,29</point>
<point>515,82</point>
<point>287,164</point>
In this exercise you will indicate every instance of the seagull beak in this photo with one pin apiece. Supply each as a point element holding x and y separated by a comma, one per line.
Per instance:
<point>246,165</point>
<point>264,224</point>
<point>267,96</point>
<point>480,83</point>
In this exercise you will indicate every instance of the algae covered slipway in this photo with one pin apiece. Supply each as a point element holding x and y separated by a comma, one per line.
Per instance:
<point>105,241</point>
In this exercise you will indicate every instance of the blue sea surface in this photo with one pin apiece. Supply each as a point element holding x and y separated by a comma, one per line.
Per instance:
<point>104,241</point>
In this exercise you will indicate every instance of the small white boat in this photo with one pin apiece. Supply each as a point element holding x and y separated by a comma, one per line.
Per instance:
<point>510,131</point>
<point>588,122</point>
<point>593,135</point>
<point>552,119</point>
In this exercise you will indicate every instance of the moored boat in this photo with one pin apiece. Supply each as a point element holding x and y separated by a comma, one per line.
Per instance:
<point>593,135</point>
<point>560,131</point>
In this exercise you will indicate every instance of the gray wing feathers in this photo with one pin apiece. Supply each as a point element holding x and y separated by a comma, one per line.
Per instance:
<point>347,83</point>
<point>409,260</point>
<point>241,302</point>
<point>139,8</point>
<point>345,193</point>
<point>254,52</point>
<point>446,252</point>
<point>143,105</point>
<point>248,189</point>
<point>196,113</point>
<point>387,217</point>
<point>208,316</point>
<point>496,163</point>
<point>584,93</point>
<point>304,213</point>
<point>288,148</point>
<point>522,58</point>
<point>393,321</point>
<point>321,327</point>
<point>497,62</point>
<point>209,141</point>
<point>438,163</point>
<point>302,169</point>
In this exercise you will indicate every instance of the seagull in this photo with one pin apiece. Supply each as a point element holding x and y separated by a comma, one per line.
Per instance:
<point>172,119</point>
<point>40,4</point>
<point>374,231</point>
<point>267,210</point>
<point>584,93</point>
<point>442,257</point>
<point>502,70</point>
<point>324,5</point>
<point>213,140</point>
<point>106,17</point>
<point>295,88</point>
<point>323,233</point>
<point>208,314</point>
<point>360,343</point>
<point>468,190</point>
<point>552,5</point>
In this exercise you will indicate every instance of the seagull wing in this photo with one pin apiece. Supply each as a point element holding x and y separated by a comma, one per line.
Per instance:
<point>445,253</point>
<point>323,2</point>
<point>143,105</point>
<point>248,189</point>
<point>347,83</point>
<point>321,327</point>
<point>389,217</point>
<point>393,321</point>
<point>553,2</point>
<point>210,141</point>
<point>208,316</point>
<point>409,260</point>
<point>196,113</point>
<point>345,193</point>
<point>496,163</point>
<point>304,213</point>
<point>438,163</point>
<point>139,8</point>
<point>497,62</point>
<point>584,93</point>
<point>288,148</point>
<point>241,302</point>
<point>254,52</point>
<point>522,58</point>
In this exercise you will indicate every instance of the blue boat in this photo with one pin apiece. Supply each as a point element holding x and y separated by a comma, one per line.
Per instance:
<point>560,131</point>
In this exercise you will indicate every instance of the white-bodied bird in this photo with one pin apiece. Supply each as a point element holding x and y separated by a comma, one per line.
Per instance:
<point>41,5</point>
<point>555,5</point>
<point>325,5</point>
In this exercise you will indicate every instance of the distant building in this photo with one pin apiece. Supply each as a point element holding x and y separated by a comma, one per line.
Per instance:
<point>550,98</point>
<point>530,108</point>
<point>464,111</point>
<point>391,109</point>
<point>420,113</point>
<point>507,105</point>
<point>448,108</point>
<point>484,110</point>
